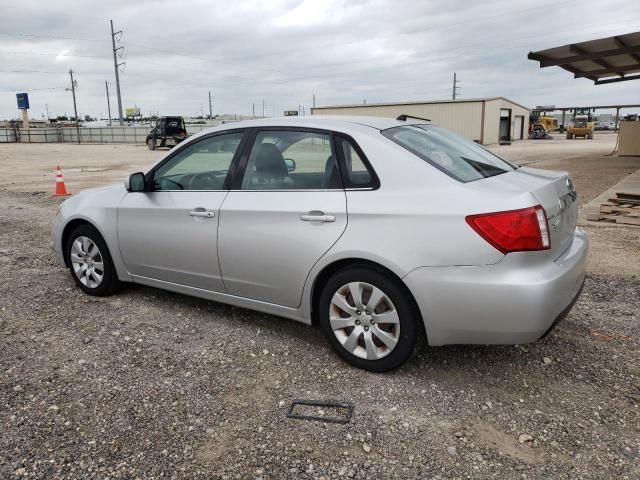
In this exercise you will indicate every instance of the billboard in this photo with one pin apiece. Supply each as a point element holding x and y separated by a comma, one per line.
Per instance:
<point>23,101</point>
<point>132,112</point>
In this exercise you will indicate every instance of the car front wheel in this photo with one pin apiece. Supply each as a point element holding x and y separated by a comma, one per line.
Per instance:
<point>90,262</point>
<point>369,319</point>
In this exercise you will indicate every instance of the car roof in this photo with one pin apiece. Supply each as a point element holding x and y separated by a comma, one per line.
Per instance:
<point>323,121</point>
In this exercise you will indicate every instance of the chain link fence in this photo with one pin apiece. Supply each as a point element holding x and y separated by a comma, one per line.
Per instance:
<point>131,135</point>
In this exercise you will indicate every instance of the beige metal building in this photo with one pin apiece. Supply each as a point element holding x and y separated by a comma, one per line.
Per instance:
<point>483,119</point>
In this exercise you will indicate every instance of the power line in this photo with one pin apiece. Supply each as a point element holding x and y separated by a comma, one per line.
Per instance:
<point>367,39</point>
<point>75,109</point>
<point>323,66</point>
<point>106,85</point>
<point>54,37</point>
<point>314,46</point>
<point>455,86</point>
<point>116,65</point>
<point>372,64</point>
<point>49,54</point>
<point>32,89</point>
<point>60,72</point>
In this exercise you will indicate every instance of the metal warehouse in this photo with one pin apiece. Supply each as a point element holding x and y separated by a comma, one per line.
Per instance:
<point>486,120</point>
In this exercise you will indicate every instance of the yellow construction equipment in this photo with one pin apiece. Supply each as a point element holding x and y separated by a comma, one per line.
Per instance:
<point>549,123</point>
<point>582,124</point>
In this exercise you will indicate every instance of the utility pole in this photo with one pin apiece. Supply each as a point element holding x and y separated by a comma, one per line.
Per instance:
<point>253,110</point>
<point>455,85</point>
<point>314,100</point>
<point>210,107</point>
<point>115,66</point>
<point>75,109</point>
<point>108,103</point>
<point>262,108</point>
<point>46,106</point>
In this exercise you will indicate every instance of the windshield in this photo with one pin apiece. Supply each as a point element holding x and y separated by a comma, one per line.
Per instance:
<point>456,156</point>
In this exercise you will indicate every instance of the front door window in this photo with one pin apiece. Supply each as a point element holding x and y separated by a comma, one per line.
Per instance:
<point>200,166</point>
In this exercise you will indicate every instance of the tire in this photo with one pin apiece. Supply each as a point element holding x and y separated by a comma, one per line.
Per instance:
<point>151,144</point>
<point>569,136</point>
<point>356,330</point>
<point>82,258</point>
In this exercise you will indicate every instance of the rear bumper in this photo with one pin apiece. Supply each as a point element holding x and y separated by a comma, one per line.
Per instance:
<point>517,300</point>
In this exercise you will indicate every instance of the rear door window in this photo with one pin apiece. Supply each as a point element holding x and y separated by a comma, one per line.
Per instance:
<point>291,160</point>
<point>456,156</point>
<point>358,172</point>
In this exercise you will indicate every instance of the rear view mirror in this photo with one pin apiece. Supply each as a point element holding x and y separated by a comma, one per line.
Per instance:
<point>136,182</point>
<point>291,164</point>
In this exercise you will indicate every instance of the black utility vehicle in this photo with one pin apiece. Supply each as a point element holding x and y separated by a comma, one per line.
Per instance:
<point>168,132</point>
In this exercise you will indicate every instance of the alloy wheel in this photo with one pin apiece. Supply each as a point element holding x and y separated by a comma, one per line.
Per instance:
<point>364,320</point>
<point>87,262</point>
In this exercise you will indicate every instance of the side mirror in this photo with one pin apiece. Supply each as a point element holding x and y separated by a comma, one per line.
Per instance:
<point>291,164</point>
<point>135,182</point>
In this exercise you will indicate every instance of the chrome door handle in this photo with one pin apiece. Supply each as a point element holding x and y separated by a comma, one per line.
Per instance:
<point>318,218</point>
<point>202,213</point>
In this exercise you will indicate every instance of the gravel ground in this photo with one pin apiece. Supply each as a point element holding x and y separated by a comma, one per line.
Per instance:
<point>148,384</point>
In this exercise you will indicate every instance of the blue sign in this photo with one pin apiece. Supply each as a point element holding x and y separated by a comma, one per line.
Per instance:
<point>23,101</point>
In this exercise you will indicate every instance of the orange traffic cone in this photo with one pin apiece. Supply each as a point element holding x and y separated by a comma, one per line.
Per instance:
<point>61,190</point>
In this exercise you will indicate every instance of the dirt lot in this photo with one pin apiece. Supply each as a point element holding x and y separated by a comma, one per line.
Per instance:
<point>148,384</point>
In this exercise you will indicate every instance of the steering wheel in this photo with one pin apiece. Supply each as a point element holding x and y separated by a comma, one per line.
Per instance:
<point>208,179</point>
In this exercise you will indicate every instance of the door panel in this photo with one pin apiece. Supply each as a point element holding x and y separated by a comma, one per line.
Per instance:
<point>518,128</point>
<point>171,236</point>
<point>267,249</point>
<point>288,208</point>
<point>171,232</point>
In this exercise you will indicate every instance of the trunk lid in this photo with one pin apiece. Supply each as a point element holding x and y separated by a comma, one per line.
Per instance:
<point>553,190</point>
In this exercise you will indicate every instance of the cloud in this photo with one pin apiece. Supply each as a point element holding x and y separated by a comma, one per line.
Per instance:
<point>62,56</point>
<point>285,51</point>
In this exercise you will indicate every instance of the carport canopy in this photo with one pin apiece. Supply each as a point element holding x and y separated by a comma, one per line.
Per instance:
<point>605,60</point>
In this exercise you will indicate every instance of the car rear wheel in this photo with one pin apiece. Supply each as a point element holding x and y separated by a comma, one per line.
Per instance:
<point>90,263</point>
<point>151,144</point>
<point>369,319</point>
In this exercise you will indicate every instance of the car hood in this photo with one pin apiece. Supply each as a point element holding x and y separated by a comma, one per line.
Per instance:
<point>106,196</point>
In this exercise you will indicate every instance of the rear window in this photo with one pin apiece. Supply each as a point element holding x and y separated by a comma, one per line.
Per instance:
<point>175,122</point>
<point>456,156</point>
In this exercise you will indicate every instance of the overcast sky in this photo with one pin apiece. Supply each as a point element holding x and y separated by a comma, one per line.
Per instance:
<point>284,51</point>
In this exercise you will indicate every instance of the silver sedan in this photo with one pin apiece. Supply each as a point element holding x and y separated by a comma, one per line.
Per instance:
<point>386,233</point>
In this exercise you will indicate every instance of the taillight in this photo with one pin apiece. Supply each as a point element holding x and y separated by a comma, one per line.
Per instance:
<point>513,230</point>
